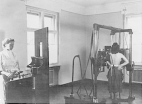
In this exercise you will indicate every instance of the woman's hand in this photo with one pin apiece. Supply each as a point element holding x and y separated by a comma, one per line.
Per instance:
<point>120,67</point>
<point>5,73</point>
<point>13,75</point>
<point>109,65</point>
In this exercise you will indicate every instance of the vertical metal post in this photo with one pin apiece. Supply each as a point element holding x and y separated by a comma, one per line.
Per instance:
<point>119,39</point>
<point>130,72</point>
<point>95,68</point>
<point>34,86</point>
<point>95,42</point>
<point>71,95</point>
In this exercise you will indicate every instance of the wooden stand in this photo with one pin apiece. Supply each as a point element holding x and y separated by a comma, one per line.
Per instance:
<point>41,75</point>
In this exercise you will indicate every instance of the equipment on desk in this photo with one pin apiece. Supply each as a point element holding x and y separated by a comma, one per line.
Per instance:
<point>18,74</point>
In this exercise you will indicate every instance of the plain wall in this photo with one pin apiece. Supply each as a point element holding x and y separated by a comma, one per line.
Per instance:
<point>72,42</point>
<point>13,25</point>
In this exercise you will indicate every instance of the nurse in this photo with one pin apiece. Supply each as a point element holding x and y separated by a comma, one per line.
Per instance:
<point>9,67</point>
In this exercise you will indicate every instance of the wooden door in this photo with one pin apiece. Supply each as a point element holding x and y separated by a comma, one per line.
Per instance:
<point>42,78</point>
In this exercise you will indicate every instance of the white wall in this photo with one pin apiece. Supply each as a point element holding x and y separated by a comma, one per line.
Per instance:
<point>13,25</point>
<point>57,6</point>
<point>132,6</point>
<point>72,42</point>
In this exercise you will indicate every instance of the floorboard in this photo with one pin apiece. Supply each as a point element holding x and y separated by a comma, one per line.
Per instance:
<point>57,93</point>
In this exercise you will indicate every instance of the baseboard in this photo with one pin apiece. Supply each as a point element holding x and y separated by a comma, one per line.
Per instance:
<point>88,81</point>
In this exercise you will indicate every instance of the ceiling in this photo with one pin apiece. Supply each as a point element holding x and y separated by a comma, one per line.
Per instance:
<point>88,3</point>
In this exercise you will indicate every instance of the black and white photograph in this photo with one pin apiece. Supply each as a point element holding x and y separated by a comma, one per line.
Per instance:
<point>70,51</point>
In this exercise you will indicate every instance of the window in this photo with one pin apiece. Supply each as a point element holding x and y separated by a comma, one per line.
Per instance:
<point>37,19</point>
<point>134,22</point>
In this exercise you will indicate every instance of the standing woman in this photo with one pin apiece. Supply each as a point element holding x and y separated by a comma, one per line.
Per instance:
<point>9,67</point>
<point>115,75</point>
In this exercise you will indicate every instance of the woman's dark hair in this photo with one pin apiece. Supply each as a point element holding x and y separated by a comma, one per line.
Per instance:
<point>7,41</point>
<point>115,48</point>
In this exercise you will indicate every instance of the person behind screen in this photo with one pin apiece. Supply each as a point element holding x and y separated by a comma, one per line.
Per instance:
<point>9,66</point>
<point>115,75</point>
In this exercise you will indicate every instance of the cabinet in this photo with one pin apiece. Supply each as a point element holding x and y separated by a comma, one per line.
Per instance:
<point>53,75</point>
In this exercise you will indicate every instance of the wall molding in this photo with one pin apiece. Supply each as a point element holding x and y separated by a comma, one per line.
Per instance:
<point>133,6</point>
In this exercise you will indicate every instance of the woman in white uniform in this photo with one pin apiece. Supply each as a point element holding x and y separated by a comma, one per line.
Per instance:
<point>9,67</point>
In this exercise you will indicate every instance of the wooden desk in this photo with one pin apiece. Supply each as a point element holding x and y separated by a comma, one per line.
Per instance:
<point>20,90</point>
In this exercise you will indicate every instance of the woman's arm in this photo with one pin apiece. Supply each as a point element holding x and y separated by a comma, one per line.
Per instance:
<point>18,65</point>
<point>124,63</point>
<point>1,69</point>
<point>17,62</point>
<point>5,73</point>
<point>9,75</point>
<point>108,63</point>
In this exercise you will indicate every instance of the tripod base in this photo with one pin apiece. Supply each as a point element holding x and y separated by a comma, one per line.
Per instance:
<point>72,100</point>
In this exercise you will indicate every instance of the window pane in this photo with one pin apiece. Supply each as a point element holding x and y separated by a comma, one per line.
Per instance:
<point>30,46</point>
<point>32,20</point>
<point>30,38</point>
<point>40,19</point>
<point>135,23</point>
<point>137,53</point>
<point>53,54</point>
<point>137,38</point>
<point>49,22</point>
<point>52,47</point>
<point>52,38</point>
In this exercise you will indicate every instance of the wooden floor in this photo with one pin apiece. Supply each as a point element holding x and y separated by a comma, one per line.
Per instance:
<point>57,93</point>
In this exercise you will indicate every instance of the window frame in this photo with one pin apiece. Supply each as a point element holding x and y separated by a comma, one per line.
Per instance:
<point>43,13</point>
<point>125,26</point>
